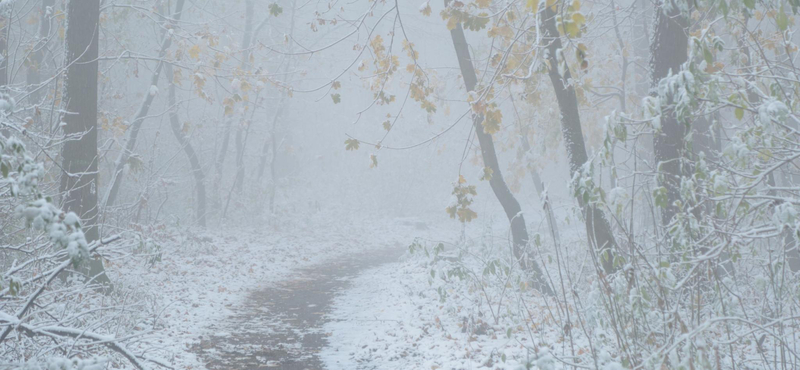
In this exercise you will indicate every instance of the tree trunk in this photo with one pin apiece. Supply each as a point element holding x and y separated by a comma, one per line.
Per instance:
<point>194,162</point>
<point>598,228</point>
<point>273,140</point>
<point>34,73</point>
<point>220,162</point>
<point>248,37</point>
<point>79,182</point>
<point>4,31</point>
<point>124,155</point>
<point>519,231</point>
<point>538,183</point>
<point>668,52</point>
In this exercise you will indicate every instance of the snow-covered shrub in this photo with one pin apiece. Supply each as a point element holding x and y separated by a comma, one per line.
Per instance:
<point>50,316</point>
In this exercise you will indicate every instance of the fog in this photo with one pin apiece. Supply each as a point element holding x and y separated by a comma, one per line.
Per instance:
<point>387,184</point>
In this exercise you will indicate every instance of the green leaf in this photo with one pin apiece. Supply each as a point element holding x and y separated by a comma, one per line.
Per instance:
<point>660,195</point>
<point>707,55</point>
<point>750,4</point>
<point>739,112</point>
<point>336,98</point>
<point>782,20</point>
<point>351,144</point>
<point>275,9</point>
<point>4,169</point>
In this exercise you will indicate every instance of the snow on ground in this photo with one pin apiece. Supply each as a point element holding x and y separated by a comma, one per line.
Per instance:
<point>202,275</point>
<point>401,316</point>
<point>392,319</point>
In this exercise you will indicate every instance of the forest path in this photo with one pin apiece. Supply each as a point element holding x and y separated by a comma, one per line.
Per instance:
<point>279,327</point>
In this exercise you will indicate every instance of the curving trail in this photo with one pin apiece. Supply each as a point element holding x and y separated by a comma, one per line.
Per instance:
<point>279,327</point>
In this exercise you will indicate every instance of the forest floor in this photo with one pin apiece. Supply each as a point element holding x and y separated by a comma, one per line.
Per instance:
<point>253,299</point>
<point>281,326</point>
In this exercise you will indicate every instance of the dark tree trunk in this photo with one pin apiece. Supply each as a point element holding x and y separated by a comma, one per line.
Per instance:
<point>34,73</point>
<point>598,228</point>
<point>668,51</point>
<point>130,145</point>
<point>519,231</point>
<point>194,162</point>
<point>79,183</point>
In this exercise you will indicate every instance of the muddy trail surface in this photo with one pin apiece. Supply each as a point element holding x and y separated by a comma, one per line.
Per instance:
<point>279,327</point>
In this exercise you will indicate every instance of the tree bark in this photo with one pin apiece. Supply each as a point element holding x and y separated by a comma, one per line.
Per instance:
<point>668,52</point>
<point>79,182</point>
<point>124,155</point>
<point>519,231</point>
<point>194,162</point>
<point>598,228</point>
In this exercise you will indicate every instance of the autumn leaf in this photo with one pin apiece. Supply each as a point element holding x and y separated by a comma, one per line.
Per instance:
<point>492,121</point>
<point>425,8</point>
<point>194,51</point>
<point>487,174</point>
<point>336,85</point>
<point>533,5</point>
<point>351,144</point>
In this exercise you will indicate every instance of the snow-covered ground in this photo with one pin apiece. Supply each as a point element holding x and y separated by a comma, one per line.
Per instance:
<point>393,319</point>
<point>201,277</point>
<point>458,311</point>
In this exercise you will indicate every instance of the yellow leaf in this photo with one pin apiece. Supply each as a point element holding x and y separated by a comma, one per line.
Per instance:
<point>451,23</point>
<point>572,29</point>
<point>533,5</point>
<point>194,51</point>
<point>579,19</point>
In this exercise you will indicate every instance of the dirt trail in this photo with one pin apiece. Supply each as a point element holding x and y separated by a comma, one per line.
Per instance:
<point>279,327</point>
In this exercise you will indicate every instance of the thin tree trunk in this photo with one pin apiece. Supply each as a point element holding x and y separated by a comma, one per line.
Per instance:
<point>79,183</point>
<point>538,183</point>
<point>668,52</point>
<point>194,162</point>
<point>124,155</point>
<point>220,162</point>
<point>598,228</point>
<point>266,149</point>
<point>34,72</point>
<point>248,37</point>
<point>274,133</point>
<point>519,231</point>
<point>4,33</point>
